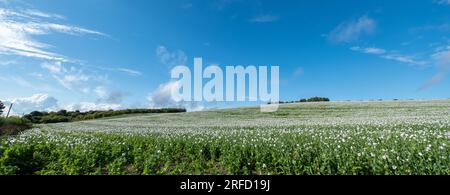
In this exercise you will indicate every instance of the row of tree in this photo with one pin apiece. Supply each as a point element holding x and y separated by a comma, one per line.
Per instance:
<point>313,99</point>
<point>70,116</point>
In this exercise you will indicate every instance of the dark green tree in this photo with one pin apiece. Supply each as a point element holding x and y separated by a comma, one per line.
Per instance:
<point>2,106</point>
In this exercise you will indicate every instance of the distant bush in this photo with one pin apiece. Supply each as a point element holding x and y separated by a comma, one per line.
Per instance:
<point>66,116</point>
<point>316,99</point>
<point>13,125</point>
<point>54,119</point>
<point>313,99</point>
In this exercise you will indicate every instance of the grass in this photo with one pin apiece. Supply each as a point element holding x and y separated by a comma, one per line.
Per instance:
<point>13,125</point>
<point>335,138</point>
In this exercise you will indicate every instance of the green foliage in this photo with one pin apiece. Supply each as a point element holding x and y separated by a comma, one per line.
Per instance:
<point>298,154</point>
<point>2,106</point>
<point>22,159</point>
<point>65,116</point>
<point>13,125</point>
<point>54,119</point>
<point>315,99</point>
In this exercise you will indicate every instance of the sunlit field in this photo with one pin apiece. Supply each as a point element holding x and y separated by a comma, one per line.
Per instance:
<point>337,138</point>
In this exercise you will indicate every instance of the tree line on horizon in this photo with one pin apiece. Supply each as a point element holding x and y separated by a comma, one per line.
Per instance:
<point>38,117</point>
<point>312,99</point>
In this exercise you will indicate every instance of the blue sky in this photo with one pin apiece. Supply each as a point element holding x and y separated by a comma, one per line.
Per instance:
<point>98,54</point>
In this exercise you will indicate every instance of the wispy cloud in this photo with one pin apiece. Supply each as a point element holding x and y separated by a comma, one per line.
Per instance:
<point>352,30</point>
<point>405,59</point>
<point>169,58</point>
<point>389,55</point>
<point>442,2</point>
<point>7,63</point>
<point>129,71</point>
<point>21,82</point>
<point>187,6</point>
<point>18,29</point>
<point>431,27</point>
<point>437,78</point>
<point>37,13</point>
<point>101,92</point>
<point>442,62</point>
<point>299,72</point>
<point>54,68</point>
<point>222,4</point>
<point>368,50</point>
<point>70,81</point>
<point>264,18</point>
<point>70,78</point>
<point>442,59</point>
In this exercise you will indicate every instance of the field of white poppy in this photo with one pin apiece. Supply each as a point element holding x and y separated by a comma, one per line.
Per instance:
<point>335,138</point>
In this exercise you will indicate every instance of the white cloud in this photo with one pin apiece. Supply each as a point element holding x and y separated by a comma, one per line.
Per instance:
<point>434,27</point>
<point>369,50</point>
<point>442,60</point>
<point>88,106</point>
<point>171,58</point>
<point>442,2</point>
<point>162,98</point>
<point>405,59</point>
<point>70,78</point>
<point>37,13</point>
<point>222,4</point>
<point>19,28</point>
<point>73,80</point>
<point>7,63</point>
<point>21,81</point>
<point>54,68</point>
<point>24,105</point>
<point>129,71</point>
<point>299,72</point>
<point>101,92</point>
<point>437,78</point>
<point>187,6</point>
<point>37,75</point>
<point>352,30</point>
<point>45,102</point>
<point>390,55</point>
<point>115,97</point>
<point>264,18</point>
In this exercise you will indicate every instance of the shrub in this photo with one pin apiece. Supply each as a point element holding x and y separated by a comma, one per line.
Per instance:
<point>13,125</point>
<point>318,99</point>
<point>66,116</point>
<point>2,106</point>
<point>313,99</point>
<point>54,119</point>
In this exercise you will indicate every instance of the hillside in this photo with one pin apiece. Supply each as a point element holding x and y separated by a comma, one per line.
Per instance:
<point>399,137</point>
